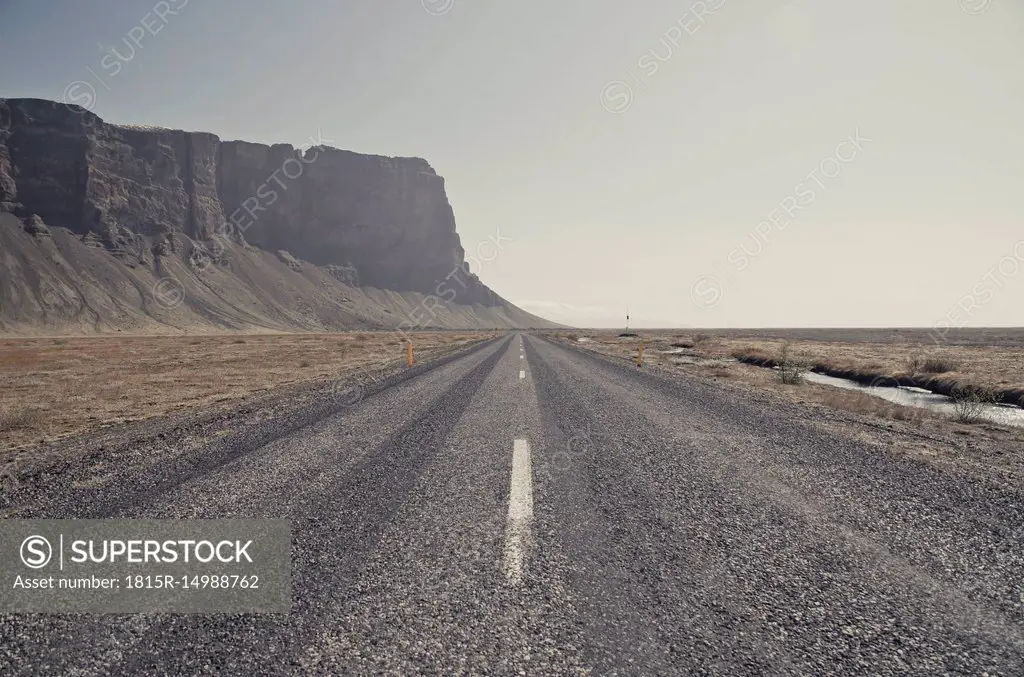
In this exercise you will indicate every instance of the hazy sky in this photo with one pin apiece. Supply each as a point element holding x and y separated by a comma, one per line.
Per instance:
<point>637,153</point>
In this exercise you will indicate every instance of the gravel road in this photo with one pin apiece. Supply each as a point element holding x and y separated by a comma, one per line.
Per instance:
<point>658,526</point>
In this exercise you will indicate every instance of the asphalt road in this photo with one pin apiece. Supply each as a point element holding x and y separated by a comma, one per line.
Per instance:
<point>546,511</point>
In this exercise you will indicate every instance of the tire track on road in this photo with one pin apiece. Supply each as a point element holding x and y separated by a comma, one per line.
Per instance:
<point>652,602</point>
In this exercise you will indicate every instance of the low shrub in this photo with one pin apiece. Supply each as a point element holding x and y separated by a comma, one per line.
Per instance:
<point>791,368</point>
<point>969,404</point>
<point>939,365</point>
<point>931,364</point>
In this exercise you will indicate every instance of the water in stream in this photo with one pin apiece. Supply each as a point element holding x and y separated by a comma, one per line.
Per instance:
<point>1004,414</point>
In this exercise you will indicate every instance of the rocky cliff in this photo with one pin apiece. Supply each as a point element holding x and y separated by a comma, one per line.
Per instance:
<point>149,196</point>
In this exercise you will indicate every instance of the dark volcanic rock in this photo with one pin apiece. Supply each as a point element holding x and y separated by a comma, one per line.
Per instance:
<point>289,260</point>
<point>34,226</point>
<point>347,274</point>
<point>148,190</point>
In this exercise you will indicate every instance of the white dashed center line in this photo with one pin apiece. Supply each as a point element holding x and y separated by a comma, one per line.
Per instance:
<point>520,513</point>
<point>522,374</point>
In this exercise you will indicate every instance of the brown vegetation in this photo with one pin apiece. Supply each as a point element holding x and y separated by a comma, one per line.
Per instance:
<point>995,372</point>
<point>57,387</point>
<point>862,403</point>
<point>964,368</point>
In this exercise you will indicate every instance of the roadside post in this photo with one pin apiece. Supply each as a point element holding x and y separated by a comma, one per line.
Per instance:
<point>409,356</point>
<point>640,355</point>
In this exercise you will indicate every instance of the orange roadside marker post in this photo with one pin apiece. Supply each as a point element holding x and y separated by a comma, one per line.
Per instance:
<point>410,358</point>
<point>640,355</point>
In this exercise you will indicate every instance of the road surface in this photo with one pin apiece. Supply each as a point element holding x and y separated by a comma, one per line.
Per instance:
<point>530,508</point>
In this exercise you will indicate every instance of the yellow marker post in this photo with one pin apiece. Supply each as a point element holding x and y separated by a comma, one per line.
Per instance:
<point>640,355</point>
<point>411,361</point>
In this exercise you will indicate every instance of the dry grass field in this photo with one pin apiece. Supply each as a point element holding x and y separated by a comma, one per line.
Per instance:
<point>991,360</point>
<point>993,369</point>
<point>984,360</point>
<point>56,387</point>
<point>1006,337</point>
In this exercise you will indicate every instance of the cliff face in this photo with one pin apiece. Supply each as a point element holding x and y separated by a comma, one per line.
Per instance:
<point>385,222</point>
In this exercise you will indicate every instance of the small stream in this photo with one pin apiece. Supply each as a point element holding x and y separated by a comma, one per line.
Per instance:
<point>1005,414</point>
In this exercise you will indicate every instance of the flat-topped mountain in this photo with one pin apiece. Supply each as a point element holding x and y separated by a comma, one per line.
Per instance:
<point>112,227</point>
